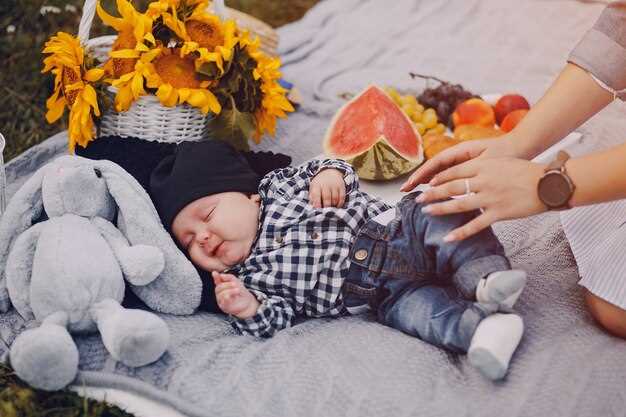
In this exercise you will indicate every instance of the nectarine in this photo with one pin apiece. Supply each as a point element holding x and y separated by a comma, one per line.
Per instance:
<point>474,112</point>
<point>508,103</point>
<point>435,143</point>
<point>512,119</point>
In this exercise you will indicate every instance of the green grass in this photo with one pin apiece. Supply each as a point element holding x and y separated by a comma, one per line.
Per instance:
<point>18,400</point>
<point>23,89</point>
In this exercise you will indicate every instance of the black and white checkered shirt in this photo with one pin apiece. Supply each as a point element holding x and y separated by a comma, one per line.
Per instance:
<point>301,254</point>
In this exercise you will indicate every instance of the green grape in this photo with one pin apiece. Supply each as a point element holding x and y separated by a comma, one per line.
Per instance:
<point>429,118</point>
<point>420,128</point>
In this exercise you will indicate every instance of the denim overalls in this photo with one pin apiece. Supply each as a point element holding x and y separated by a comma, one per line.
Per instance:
<point>417,283</point>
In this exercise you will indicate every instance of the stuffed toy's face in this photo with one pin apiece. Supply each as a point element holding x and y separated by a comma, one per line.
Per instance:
<point>218,230</point>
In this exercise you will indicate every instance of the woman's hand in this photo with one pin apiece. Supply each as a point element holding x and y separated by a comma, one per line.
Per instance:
<point>327,189</point>
<point>485,148</point>
<point>503,188</point>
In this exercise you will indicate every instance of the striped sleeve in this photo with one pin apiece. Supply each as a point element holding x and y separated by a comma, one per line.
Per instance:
<point>602,51</point>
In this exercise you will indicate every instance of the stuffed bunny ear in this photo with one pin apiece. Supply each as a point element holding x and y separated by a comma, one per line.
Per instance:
<point>178,289</point>
<point>24,208</point>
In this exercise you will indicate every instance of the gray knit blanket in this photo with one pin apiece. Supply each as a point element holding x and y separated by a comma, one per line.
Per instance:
<point>353,366</point>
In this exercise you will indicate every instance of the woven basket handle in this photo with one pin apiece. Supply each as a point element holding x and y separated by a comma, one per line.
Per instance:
<point>89,11</point>
<point>3,181</point>
<point>219,8</point>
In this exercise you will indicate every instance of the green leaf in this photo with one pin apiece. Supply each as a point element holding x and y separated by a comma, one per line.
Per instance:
<point>209,70</point>
<point>233,126</point>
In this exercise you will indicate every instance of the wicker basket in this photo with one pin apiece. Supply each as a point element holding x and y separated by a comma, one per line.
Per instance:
<point>147,118</point>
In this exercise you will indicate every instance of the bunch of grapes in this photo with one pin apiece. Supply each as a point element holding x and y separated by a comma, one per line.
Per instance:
<point>444,98</point>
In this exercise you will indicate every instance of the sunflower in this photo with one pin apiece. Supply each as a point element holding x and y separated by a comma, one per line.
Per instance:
<point>131,85</point>
<point>274,103</point>
<point>175,79</point>
<point>133,28</point>
<point>71,87</point>
<point>206,30</point>
<point>225,33</point>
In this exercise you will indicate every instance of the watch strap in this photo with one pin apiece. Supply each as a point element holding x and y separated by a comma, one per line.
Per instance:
<point>559,162</point>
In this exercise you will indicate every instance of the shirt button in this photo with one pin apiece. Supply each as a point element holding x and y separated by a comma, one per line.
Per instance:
<point>278,239</point>
<point>314,235</point>
<point>360,255</point>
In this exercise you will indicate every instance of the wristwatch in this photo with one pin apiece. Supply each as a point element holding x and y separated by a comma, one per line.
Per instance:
<point>555,187</point>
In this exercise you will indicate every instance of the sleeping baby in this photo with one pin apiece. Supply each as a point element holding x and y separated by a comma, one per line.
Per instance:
<point>305,241</point>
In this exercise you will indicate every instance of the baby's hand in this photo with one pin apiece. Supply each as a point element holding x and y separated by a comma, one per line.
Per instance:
<point>232,297</point>
<point>327,189</point>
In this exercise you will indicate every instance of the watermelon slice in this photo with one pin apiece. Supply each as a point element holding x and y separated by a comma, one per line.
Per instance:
<point>375,136</point>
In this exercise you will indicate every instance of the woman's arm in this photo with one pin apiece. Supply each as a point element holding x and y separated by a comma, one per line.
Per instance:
<point>598,177</point>
<point>571,100</point>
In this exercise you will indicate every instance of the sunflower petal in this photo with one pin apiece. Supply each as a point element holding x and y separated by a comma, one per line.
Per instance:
<point>213,102</point>
<point>197,98</point>
<point>123,98</point>
<point>150,38</point>
<point>124,53</point>
<point>137,86</point>
<point>167,95</point>
<point>183,94</point>
<point>116,23</point>
<point>89,95</point>
<point>55,109</point>
<point>93,74</point>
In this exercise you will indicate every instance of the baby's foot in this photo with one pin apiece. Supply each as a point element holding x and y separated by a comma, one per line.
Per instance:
<point>493,344</point>
<point>502,288</point>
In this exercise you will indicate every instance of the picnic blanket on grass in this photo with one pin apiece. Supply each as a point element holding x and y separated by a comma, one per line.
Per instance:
<point>565,365</point>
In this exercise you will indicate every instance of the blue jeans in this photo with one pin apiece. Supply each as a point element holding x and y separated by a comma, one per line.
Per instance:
<point>419,284</point>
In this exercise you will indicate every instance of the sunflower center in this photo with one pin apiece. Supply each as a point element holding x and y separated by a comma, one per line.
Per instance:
<point>207,35</point>
<point>69,77</point>
<point>176,71</point>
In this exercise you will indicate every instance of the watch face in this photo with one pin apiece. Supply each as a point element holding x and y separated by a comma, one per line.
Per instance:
<point>554,189</point>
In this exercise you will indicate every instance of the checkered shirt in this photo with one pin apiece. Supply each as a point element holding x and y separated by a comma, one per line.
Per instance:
<point>301,254</point>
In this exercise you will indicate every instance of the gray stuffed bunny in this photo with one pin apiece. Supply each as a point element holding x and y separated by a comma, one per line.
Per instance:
<point>68,270</point>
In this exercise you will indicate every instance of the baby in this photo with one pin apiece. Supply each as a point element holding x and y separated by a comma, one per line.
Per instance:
<point>306,241</point>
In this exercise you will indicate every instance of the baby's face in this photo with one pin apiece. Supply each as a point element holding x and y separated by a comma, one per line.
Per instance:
<point>218,231</point>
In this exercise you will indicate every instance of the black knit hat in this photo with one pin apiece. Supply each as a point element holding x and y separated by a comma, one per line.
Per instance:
<point>199,169</point>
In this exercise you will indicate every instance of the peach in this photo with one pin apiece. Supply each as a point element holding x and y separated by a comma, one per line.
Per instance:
<point>474,112</point>
<point>471,132</point>
<point>435,143</point>
<point>508,103</point>
<point>512,119</point>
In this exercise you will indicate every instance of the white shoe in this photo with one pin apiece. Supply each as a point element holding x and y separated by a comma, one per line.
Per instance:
<point>502,288</point>
<point>493,344</point>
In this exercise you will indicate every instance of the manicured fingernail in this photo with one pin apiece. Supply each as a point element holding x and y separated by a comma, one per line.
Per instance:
<point>432,181</point>
<point>426,209</point>
<point>449,238</point>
